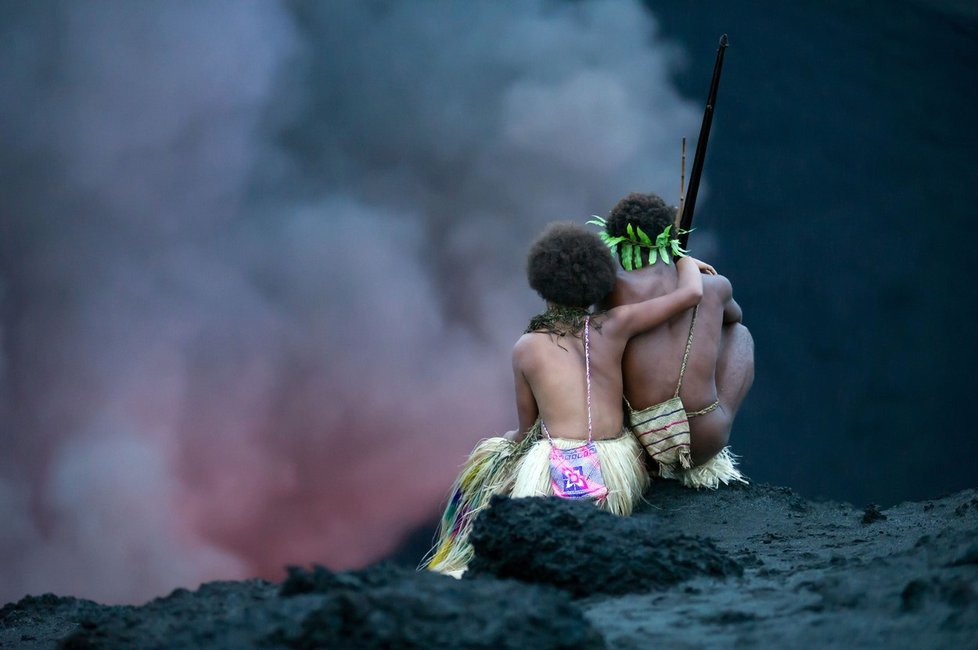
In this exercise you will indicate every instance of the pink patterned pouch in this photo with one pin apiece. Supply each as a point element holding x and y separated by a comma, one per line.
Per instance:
<point>575,473</point>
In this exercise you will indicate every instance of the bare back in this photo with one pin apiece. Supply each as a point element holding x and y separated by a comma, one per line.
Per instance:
<point>554,369</point>
<point>652,360</point>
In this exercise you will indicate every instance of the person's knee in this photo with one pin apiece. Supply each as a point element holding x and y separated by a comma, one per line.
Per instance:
<point>706,445</point>
<point>703,453</point>
<point>738,337</point>
<point>746,341</point>
<point>735,366</point>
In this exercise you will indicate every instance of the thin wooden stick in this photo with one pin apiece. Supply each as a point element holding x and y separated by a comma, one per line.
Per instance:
<point>689,205</point>
<point>682,185</point>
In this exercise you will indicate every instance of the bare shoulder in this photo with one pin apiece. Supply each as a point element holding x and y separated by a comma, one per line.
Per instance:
<point>718,286</point>
<point>623,293</point>
<point>527,348</point>
<point>523,346</point>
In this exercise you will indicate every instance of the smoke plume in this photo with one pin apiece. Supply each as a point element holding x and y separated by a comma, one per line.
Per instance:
<point>261,264</point>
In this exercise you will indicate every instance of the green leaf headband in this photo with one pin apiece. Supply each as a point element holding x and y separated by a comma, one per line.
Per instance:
<point>629,248</point>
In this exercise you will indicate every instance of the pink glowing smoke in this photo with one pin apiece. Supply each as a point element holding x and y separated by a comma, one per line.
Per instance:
<point>261,265</point>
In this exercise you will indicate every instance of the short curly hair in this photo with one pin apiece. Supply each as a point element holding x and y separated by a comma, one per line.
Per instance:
<point>646,211</point>
<point>570,266</point>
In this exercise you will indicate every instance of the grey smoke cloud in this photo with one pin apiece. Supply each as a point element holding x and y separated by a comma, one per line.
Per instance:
<point>261,264</point>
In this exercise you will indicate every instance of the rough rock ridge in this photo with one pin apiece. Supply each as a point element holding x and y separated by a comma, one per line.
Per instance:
<point>756,566</point>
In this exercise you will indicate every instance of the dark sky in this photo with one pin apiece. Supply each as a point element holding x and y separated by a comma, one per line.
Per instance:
<point>261,262</point>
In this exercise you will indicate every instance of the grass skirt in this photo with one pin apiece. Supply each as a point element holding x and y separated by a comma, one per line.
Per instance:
<point>500,466</point>
<point>488,471</point>
<point>621,466</point>
<point>722,468</point>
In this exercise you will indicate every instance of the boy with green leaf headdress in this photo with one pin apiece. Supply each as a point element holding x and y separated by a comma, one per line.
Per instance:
<point>667,369</point>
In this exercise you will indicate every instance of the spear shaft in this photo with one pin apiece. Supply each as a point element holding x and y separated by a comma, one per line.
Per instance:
<point>694,177</point>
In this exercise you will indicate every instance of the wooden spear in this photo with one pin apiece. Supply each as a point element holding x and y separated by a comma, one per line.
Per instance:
<point>689,205</point>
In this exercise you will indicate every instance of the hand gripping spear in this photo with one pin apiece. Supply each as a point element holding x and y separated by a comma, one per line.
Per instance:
<point>694,177</point>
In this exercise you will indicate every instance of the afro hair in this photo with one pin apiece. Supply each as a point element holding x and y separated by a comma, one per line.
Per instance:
<point>646,211</point>
<point>570,266</point>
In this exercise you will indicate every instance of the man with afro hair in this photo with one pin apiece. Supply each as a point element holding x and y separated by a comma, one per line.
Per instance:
<point>686,378</point>
<point>567,367</point>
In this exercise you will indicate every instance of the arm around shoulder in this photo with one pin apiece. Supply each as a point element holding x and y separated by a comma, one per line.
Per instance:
<point>645,315</point>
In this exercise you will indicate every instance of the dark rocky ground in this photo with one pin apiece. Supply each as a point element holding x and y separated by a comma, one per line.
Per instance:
<point>742,567</point>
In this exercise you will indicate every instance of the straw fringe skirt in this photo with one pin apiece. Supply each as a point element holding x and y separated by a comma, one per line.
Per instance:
<point>500,466</point>
<point>722,468</point>
<point>488,471</point>
<point>621,466</point>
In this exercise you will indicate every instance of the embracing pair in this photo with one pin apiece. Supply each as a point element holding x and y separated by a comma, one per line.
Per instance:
<point>637,368</point>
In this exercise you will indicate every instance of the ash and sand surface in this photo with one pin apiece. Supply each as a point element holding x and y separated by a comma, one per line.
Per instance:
<point>750,566</point>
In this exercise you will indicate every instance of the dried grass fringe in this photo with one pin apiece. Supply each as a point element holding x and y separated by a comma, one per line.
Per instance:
<point>500,466</point>
<point>722,468</point>
<point>488,471</point>
<point>622,467</point>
